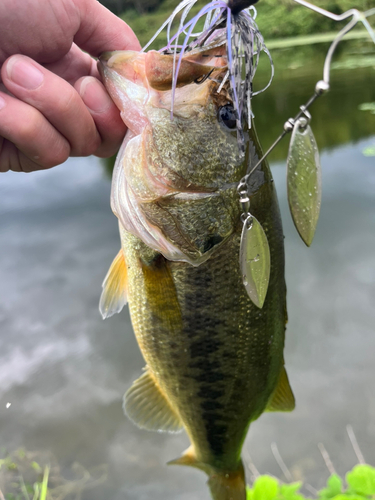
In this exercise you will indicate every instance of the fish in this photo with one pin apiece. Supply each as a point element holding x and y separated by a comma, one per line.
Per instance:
<point>214,360</point>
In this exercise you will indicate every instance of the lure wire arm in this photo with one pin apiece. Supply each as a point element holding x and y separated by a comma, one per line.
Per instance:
<point>323,85</point>
<point>288,127</point>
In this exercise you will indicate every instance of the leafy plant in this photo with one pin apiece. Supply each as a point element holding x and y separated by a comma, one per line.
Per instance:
<point>360,486</point>
<point>367,106</point>
<point>277,18</point>
<point>36,476</point>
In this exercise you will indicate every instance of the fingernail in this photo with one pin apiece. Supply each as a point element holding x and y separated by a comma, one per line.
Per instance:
<point>94,95</point>
<point>2,103</point>
<point>24,73</point>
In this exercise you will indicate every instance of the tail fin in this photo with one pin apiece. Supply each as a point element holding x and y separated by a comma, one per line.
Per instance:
<point>228,485</point>
<point>224,485</point>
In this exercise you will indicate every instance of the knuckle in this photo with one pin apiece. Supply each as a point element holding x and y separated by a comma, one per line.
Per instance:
<point>84,137</point>
<point>66,103</point>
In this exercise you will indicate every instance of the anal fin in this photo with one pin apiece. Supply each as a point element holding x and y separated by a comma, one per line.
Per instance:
<point>187,458</point>
<point>224,484</point>
<point>114,294</point>
<point>282,399</point>
<point>146,406</point>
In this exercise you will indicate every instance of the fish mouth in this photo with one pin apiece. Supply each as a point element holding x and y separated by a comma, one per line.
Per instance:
<point>124,75</point>
<point>156,69</point>
<point>120,61</point>
<point>103,63</point>
<point>152,197</point>
<point>105,56</point>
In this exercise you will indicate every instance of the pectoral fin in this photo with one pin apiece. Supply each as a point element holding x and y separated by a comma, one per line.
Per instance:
<point>146,406</point>
<point>161,296</point>
<point>114,294</point>
<point>282,399</point>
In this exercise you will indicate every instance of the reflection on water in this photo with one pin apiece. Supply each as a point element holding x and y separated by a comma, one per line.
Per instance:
<point>64,370</point>
<point>337,118</point>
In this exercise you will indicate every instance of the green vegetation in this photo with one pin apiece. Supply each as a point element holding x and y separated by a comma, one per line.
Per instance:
<point>369,151</point>
<point>276,18</point>
<point>360,486</point>
<point>284,18</point>
<point>37,476</point>
<point>297,41</point>
<point>24,478</point>
<point>367,106</point>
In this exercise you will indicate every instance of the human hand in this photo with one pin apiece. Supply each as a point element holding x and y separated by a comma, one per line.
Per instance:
<point>52,104</point>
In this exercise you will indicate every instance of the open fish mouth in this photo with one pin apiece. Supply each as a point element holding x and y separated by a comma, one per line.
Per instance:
<point>172,175</point>
<point>134,83</point>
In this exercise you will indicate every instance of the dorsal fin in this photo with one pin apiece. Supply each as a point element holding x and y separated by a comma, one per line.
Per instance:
<point>146,406</point>
<point>282,399</point>
<point>114,294</point>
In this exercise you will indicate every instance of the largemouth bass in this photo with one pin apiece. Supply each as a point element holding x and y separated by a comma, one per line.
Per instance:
<point>214,361</point>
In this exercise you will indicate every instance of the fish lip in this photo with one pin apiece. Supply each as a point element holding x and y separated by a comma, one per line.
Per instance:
<point>102,63</point>
<point>105,56</point>
<point>110,57</point>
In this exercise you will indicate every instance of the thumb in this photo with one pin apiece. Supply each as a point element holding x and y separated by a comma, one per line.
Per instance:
<point>100,30</point>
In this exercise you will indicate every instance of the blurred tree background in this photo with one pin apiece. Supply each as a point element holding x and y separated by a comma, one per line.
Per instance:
<point>279,18</point>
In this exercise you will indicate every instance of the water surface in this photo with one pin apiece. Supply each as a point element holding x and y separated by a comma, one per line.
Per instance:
<point>64,370</point>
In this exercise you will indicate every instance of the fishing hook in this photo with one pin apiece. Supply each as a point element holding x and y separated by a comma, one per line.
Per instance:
<point>202,79</point>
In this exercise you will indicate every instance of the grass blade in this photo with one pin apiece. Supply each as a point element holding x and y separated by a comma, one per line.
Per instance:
<point>43,490</point>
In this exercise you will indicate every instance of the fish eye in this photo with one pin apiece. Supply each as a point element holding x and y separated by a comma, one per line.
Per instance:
<point>227,116</point>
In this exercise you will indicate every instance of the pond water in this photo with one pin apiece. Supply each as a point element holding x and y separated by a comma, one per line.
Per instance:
<point>64,371</point>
